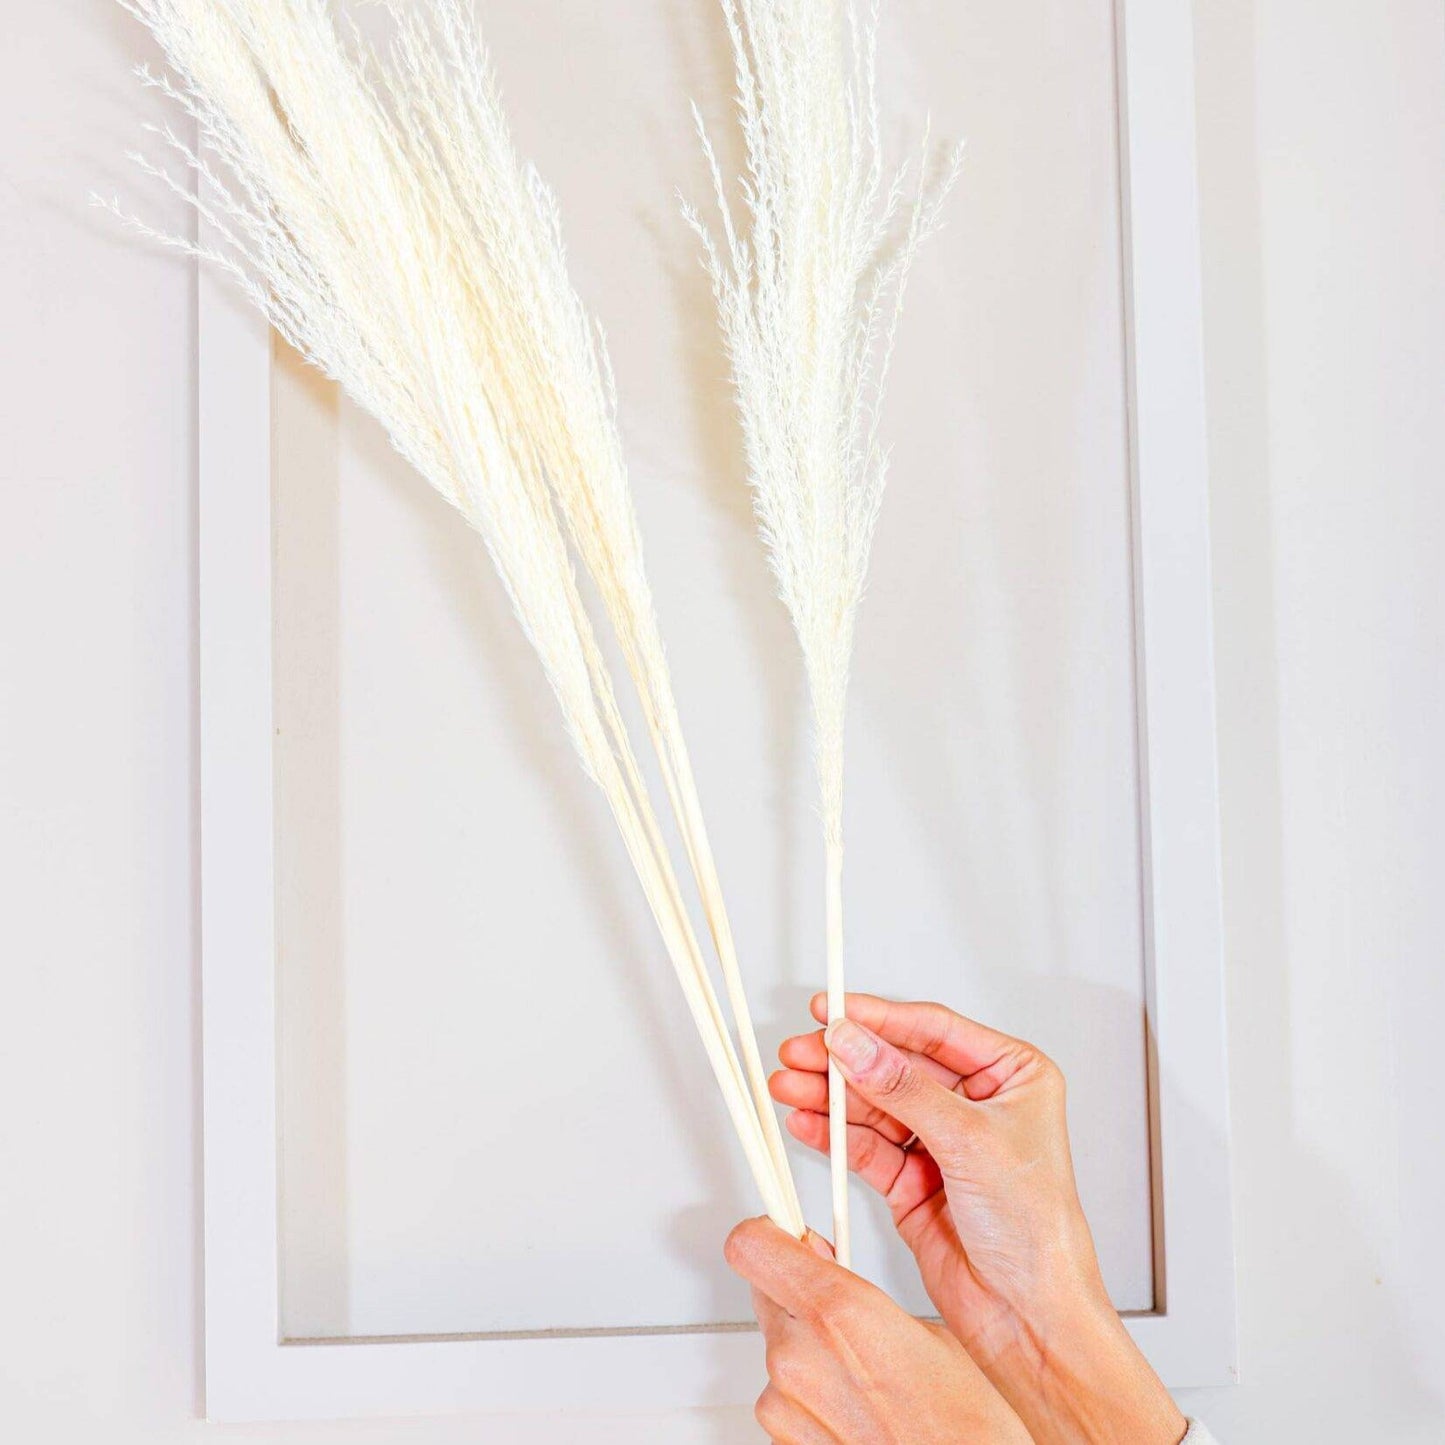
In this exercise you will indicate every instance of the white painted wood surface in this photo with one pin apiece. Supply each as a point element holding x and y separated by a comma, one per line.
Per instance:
<point>449,901</point>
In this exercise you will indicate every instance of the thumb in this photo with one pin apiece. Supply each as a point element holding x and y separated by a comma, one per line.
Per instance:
<point>888,1078</point>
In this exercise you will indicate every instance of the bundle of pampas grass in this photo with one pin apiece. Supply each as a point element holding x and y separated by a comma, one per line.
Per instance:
<point>370,203</point>
<point>809,295</point>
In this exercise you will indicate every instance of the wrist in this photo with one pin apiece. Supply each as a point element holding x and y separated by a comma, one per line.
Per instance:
<point>1074,1374</point>
<point>1097,1381</point>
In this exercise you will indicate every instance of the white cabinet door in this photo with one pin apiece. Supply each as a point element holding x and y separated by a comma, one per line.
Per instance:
<point>462,1151</point>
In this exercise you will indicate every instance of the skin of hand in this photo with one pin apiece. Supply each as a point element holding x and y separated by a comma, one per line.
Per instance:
<point>962,1130</point>
<point>846,1365</point>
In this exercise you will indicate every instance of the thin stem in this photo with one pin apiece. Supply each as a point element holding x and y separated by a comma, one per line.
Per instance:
<point>837,1088</point>
<point>711,888</point>
<point>642,803</point>
<point>682,792</point>
<point>784,1205</point>
<point>682,950</point>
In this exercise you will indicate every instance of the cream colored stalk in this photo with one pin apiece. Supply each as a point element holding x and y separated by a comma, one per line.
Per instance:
<point>809,294</point>
<point>373,207</point>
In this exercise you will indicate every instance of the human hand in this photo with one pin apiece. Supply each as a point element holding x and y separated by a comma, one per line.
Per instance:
<point>985,1199</point>
<point>847,1366</point>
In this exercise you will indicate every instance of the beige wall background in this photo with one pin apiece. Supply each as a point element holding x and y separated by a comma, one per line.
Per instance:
<point>1322,146</point>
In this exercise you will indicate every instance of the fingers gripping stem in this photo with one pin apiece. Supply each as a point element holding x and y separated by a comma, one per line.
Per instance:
<point>888,1079</point>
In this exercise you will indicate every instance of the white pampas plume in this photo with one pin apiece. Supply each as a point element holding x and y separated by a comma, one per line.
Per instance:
<point>369,201</point>
<point>809,296</point>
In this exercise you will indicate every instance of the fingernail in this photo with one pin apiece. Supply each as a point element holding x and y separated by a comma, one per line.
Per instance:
<point>851,1044</point>
<point>819,1245</point>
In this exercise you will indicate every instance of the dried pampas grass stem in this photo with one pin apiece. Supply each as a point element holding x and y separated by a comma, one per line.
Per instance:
<point>809,294</point>
<point>369,201</point>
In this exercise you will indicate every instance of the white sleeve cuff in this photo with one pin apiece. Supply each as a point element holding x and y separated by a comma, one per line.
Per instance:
<point>1198,1435</point>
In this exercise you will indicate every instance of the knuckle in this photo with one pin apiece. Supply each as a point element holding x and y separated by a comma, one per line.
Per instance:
<point>836,1309</point>
<point>785,1370</point>
<point>737,1248</point>
<point>864,1149</point>
<point>821,1303</point>
<point>1049,1072</point>
<point>875,1119</point>
<point>843,1330</point>
<point>893,1075</point>
<point>769,1410</point>
<point>938,1018</point>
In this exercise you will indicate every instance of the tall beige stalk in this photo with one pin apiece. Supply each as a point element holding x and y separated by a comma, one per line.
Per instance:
<point>372,206</point>
<point>809,295</point>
